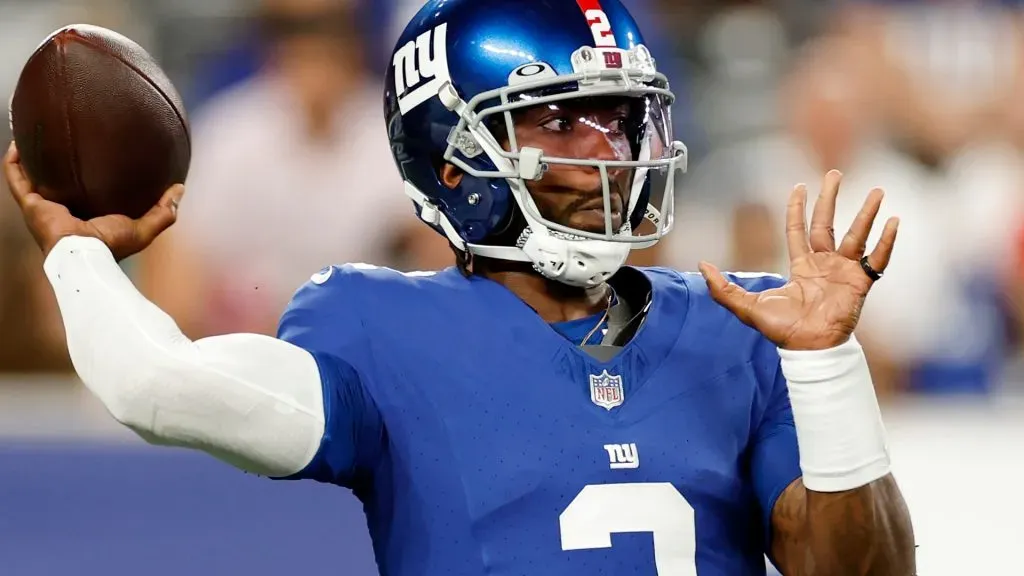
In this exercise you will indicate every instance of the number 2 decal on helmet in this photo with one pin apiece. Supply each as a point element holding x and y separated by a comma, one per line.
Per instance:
<point>600,26</point>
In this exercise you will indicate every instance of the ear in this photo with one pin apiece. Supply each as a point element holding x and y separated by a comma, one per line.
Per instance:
<point>451,175</point>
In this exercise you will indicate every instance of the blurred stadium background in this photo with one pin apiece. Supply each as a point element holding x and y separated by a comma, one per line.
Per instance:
<point>292,171</point>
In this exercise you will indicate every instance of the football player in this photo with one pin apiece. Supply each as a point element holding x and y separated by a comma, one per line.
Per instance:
<point>540,409</point>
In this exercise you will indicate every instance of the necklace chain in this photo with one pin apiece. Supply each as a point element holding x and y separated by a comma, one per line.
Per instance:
<point>607,310</point>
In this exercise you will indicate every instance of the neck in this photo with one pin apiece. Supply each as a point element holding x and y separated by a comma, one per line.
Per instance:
<point>553,301</point>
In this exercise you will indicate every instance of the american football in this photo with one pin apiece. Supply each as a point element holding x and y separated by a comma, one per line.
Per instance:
<point>100,127</point>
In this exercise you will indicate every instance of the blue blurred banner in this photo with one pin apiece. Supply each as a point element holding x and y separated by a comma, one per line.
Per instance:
<point>74,510</point>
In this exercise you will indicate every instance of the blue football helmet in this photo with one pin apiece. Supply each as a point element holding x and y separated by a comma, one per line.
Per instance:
<point>462,71</point>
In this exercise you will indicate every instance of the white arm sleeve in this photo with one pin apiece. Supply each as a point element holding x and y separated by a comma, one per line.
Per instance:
<point>252,401</point>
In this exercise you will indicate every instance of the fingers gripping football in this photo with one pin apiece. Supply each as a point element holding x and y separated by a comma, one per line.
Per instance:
<point>49,221</point>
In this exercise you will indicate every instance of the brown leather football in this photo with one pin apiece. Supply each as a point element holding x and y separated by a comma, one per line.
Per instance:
<point>99,126</point>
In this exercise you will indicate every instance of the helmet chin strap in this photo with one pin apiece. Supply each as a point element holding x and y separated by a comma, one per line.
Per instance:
<point>573,261</point>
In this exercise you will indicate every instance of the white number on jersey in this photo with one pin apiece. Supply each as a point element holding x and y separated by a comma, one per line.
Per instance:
<point>600,510</point>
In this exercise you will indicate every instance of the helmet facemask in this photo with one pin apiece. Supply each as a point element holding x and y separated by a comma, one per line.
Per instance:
<point>616,158</point>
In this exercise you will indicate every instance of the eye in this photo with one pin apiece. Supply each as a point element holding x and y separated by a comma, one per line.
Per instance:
<point>617,125</point>
<point>559,124</point>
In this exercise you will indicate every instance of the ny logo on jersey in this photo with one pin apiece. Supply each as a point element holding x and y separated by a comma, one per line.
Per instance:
<point>421,68</point>
<point>606,390</point>
<point>622,456</point>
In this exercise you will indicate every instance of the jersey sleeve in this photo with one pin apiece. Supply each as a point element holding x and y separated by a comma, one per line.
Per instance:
<point>774,456</point>
<point>322,319</point>
<point>324,315</point>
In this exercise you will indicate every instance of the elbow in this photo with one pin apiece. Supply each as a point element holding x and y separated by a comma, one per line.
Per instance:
<point>134,389</point>
<point>133,405</point>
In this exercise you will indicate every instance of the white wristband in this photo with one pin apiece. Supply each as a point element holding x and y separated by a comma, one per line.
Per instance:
<point>838,423</point>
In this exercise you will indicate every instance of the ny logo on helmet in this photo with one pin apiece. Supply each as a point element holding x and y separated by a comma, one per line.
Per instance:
<point>421,67</point>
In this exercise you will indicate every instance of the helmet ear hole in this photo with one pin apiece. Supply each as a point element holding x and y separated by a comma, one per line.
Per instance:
<point>498,128</point>
<point>451,175</point>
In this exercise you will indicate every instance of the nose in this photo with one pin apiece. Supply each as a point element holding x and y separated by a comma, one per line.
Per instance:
<point>595,142</point>
<point>600,143</point>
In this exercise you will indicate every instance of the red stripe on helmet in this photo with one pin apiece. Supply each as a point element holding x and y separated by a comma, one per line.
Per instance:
<point>589,5</point>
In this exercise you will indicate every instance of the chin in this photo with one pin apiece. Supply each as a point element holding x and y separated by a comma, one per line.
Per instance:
<point>593,221</point>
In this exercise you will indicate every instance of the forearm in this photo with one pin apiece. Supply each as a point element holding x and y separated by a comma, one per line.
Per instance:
<point>863,531</point>
<point>866,530</point>
<point>846,515</point>
<point>252,401</point>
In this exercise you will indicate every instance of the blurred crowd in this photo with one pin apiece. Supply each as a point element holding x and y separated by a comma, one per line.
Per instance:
<point>292,171</point>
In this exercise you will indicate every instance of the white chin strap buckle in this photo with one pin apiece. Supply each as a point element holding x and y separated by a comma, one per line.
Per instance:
<point>576,262</point>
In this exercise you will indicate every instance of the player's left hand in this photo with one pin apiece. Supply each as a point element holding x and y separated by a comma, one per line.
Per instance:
<point>820,305</point>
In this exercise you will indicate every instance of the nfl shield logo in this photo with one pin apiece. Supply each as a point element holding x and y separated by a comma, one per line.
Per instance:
<point>606,390</point>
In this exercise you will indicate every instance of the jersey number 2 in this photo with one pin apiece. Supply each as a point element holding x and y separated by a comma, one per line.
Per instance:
<point>601,510</point>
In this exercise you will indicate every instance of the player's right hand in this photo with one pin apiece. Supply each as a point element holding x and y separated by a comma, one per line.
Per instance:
<point>49,221</point>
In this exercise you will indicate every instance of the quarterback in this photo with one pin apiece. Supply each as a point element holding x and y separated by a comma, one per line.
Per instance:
<point>540,409</point>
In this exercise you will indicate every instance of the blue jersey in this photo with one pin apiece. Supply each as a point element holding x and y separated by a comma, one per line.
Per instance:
<point>482,441</point>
